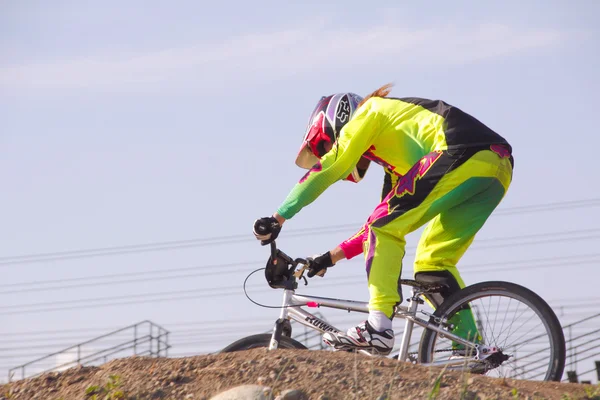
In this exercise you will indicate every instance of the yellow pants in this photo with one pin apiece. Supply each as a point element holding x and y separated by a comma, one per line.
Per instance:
<point>456,193</point>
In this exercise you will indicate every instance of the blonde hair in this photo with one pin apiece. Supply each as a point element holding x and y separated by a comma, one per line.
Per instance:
<point>381,92</point>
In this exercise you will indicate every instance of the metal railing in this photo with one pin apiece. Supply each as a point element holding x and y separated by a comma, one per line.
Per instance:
<point>148,338</point>
<point>582,347</point>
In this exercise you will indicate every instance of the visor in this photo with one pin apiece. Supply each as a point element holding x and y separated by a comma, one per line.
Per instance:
<point>305,158</point>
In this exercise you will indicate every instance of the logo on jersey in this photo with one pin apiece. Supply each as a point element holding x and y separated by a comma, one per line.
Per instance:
<point>408,182</point>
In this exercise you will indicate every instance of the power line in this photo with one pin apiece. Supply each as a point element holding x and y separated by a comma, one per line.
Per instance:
<point>122,303</point>
<point>234,267</point>
<point>128,274</point>
<point>212,241</point>
<point>571,204</point>
<point>222,293</point>
<point>218,293</point>
<point>123,297</point>
<point>473,269</point>
<point>581,259</point>
<point>159,246</point>
<point>222,270</point>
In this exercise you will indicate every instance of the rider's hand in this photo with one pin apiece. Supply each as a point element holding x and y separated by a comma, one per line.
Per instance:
<point>319,264</point>
<point>266,229</point>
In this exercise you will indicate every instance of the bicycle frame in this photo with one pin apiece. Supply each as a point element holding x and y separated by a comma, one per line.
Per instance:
<point>292,303</point>
<point>291,309</point>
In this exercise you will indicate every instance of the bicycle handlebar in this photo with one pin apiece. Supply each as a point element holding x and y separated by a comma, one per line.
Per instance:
<point>274,252</point>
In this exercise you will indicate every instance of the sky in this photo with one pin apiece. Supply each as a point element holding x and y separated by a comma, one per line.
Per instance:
<point>145,122</point>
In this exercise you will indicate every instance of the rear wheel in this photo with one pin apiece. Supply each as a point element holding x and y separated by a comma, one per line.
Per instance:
<point>262,340</point>
<point>511,318</point>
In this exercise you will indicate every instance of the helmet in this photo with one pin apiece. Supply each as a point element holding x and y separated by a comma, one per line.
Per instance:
<point>324,126</point>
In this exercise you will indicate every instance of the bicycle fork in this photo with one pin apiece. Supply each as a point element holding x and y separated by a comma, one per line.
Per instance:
<point>282,324</point>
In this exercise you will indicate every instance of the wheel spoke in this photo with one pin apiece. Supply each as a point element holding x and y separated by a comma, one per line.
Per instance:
<point>528,332</point>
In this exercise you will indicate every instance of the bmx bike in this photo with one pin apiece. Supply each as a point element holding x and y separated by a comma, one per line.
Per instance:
<point>520,335</point>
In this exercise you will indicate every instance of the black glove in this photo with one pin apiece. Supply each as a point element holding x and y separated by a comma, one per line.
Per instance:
<point>319,265</point>
<point>266,229</point>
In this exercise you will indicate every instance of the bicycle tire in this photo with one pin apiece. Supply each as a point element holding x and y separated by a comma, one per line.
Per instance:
<point>262,340</point>
<point>557,346</point>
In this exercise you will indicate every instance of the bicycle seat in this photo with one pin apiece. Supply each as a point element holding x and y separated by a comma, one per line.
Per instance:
<point>423,286</point>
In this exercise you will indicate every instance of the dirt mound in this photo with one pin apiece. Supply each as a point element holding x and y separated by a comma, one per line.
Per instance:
<point>319,374</point>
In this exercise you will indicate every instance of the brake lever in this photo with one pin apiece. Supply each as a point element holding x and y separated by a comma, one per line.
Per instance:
<point>300,273</point>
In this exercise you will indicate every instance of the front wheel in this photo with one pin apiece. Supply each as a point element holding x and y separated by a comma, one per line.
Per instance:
<point>509,317</point>
<point>262,340</point>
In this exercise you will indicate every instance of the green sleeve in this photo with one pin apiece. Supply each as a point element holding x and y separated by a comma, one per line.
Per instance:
<point>355,139</point>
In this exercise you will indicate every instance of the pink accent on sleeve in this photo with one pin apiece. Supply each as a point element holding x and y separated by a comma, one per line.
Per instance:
<point>354,245</point>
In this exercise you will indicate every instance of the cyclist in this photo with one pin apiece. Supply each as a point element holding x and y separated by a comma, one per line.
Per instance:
<point>441,165</point>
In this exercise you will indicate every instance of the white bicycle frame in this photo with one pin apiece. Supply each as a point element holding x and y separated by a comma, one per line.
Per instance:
<point>291,309</point>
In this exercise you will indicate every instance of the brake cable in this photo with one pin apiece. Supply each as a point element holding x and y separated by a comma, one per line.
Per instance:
<point>263,305</point>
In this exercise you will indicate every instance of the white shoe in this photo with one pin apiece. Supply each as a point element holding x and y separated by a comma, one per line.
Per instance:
<point>362,337</point>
